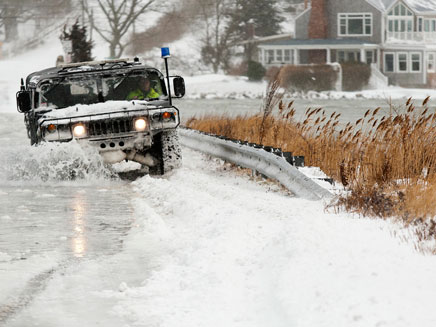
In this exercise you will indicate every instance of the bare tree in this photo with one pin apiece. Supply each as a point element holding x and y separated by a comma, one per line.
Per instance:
<point>175,21</point>
<point>15,12</point>
<point>12,12</point>
<point>215,50</point>
<point>120,16</point>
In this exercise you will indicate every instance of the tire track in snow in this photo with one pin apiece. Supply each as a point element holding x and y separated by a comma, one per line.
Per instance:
<point>87,223</point>
<point>33,287</point>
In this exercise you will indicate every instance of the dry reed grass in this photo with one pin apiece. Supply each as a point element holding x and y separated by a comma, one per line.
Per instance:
<point>387,164</point>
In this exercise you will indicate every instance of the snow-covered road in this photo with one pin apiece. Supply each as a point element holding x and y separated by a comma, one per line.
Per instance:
<point>203,246</point>
<point>49,225</point>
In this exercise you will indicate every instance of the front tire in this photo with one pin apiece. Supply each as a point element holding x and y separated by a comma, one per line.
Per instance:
<point>166,148</point>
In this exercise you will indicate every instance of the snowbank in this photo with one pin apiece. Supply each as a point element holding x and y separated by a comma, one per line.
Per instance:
<point>226,252</point>
<point>390,92</point>
<point>218,86</point>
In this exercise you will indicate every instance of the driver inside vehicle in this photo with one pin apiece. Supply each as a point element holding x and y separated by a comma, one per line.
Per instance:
<point>143,91</point>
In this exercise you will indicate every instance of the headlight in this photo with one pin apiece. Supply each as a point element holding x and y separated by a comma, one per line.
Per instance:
<point>140,124</point>
<point>56,131</point>
<point>79,130</point>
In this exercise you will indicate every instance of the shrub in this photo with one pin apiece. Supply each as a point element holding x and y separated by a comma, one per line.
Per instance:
<point>255,71</point>
<point>355,76</point>
<point>307,78</point>
<point>387,163</point>
<point>272,73</point>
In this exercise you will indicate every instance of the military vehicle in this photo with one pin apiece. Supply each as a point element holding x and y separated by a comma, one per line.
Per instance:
<point>122,107</point>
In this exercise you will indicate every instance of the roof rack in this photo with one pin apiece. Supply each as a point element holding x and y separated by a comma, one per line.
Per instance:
<point>101,62</point>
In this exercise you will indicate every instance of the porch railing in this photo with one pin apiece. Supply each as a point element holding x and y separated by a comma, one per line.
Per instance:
<point>411,36</point>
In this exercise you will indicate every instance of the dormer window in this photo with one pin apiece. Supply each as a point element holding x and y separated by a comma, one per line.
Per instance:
<point>400,19</point>
<point>354,24</point>
<point>400,10</point>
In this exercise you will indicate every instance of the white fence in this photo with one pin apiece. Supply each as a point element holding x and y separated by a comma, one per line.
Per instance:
<point>411,36</point>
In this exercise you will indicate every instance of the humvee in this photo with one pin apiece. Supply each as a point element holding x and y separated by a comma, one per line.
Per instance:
<point>101,104</point>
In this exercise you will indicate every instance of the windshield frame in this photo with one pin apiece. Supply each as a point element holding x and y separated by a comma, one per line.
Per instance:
<point>101,77</point>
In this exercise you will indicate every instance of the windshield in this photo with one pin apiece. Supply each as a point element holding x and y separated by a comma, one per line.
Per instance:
<point>68,91</point>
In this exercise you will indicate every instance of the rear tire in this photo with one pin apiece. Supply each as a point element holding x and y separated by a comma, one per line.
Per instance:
<point>166,149</point>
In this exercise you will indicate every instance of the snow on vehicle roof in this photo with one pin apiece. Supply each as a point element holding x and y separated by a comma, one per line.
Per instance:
<point>83,67</point>
<point>100,62</point>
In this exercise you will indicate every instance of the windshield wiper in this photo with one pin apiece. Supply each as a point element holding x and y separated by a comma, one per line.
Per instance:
<point>54,86</point>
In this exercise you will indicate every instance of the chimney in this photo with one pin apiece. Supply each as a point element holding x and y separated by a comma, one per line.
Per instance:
<point>318,20</point>
<point>306,4</point>
<point>318,30</point>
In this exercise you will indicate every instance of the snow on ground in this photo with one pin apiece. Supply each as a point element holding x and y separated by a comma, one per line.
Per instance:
<point>389,92</point>
<point>219,86</point>
<point>212,248</point>
<point>234,254</point>
<point>215,86</point>
<point>22,270</point>
<point>12,70</point>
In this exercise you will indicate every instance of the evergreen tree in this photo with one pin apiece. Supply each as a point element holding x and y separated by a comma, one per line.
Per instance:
<point>264,15</point>
<point>82,48</point>
<point>253,17</point>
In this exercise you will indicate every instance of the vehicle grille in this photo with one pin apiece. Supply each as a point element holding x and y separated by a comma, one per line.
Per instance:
<point>105,127</point>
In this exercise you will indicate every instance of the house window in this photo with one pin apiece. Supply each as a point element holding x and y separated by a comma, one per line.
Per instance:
<point>426,25</point>
<point>419,24</point>
<point>353,56</point>
<point>279,55</point>
<point>400,19</point>
<point>369,57</point>
<point>389,62</point>
<point>355,24</point>
<point>429,25</point>
<point>287,55</point>
<point>431,62</point>
<point>402,62</point>
<point>400,10</point>
<point>269,56</point>
<point>348,56</point>
<point>415,62</point>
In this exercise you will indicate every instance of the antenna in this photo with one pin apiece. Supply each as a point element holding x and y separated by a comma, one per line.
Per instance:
<point>165,55</point>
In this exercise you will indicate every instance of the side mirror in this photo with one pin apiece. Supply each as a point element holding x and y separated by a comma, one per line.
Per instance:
<point>179,87</point>
<point>24,101</point>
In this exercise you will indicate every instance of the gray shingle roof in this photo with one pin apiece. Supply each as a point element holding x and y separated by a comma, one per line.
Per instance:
<point>381,4</point>
<point>417,5</point>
